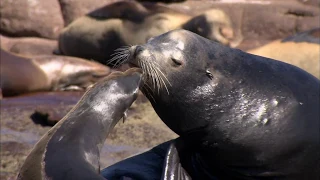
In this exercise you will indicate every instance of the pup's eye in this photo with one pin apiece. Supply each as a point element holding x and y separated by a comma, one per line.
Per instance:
<point>176,61</point>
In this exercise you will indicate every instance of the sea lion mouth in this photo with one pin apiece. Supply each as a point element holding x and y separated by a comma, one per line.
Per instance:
<point>153,77</point>
<point>133,65</point>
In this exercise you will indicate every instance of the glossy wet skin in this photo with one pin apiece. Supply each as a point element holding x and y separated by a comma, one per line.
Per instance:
<point>250,116</point>
<point>71,149</point>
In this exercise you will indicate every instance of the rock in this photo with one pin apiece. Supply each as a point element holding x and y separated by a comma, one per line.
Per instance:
<point>164,1</point>
<point>29,46</point>
<point>311,2</point>
<point>73,9</point>
<point>31,18</point>
<point>301,50</point>
<point>261,21</point>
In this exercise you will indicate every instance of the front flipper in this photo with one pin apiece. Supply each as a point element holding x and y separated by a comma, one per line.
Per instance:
<point>173,169</point>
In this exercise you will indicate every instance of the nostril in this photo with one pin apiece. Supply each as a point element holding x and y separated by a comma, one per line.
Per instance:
<point>138,50</point>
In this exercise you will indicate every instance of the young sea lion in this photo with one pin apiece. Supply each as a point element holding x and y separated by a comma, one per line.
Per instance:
<point>71,149</point>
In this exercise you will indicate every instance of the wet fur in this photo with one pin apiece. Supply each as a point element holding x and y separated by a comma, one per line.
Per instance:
<point>71,149</point>
<point>240,116</point>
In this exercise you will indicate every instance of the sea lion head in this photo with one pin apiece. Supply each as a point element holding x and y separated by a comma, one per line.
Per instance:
<point>177,76</point>
<point>117,92</point>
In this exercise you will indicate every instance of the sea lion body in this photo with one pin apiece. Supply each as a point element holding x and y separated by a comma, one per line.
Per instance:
<point>239,116</point>
<point>96,35</point>
<point>20,74</point>
<point>302,50</point>
<point>71,149</point>
<point>28,46</point>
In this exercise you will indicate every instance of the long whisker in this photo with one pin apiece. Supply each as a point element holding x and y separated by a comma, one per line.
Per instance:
<point>150,74</point>
<point>120,56</point>
<point>158,79</point>
<point>161,78</point>
<point>157,66</point>
<point>155,76</point>
<point>120,61</point>
<point>145,88</point>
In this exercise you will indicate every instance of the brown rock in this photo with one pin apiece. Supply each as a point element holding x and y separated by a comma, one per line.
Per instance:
<point>73,9</point>
<point>31,18</point>
<point>301,50</point>
<point>28,46</point>
<point>164,1</point>
<point>311,2</point>
<point>261,21</point>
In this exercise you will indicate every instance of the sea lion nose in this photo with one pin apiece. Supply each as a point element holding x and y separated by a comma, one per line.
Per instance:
<point>138,50</point>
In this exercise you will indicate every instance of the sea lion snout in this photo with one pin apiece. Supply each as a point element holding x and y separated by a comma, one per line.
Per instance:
<point>135,52</point>
<point>138,50</point>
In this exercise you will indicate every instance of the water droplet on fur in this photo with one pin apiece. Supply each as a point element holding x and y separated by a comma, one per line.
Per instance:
<point>275,102</point>
<point>227,120</point>
<point>265,121</point>
<point>301,103</point>
<point>222,111</point>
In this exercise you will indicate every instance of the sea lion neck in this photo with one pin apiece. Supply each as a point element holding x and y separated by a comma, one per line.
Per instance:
<point>85,128</point>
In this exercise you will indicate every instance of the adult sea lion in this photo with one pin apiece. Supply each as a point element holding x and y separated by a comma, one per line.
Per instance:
<point>239,116</point>
<point>99,33</point>
<point>71,149</point>
<point>20,74</point>
<point>302,50</point>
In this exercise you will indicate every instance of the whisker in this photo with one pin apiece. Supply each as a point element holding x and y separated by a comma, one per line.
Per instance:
<point>146,86</point>
<point>160,77</point>
<point>157,66</point>
<point>153,75</point>
<point>119,56</point>
<point>119,59</point>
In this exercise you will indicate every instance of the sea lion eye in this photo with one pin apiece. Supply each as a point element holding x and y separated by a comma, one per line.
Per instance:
<point>176,61</point>
<point>209,74</point>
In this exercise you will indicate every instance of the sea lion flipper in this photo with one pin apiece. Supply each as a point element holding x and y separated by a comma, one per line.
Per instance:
<point>173,169</point>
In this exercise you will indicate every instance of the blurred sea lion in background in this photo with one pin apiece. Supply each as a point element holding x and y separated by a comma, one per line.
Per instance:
<point>21,74</point>
<point>301,49</point>
<point>28,46</point>
<point>96,35</point>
